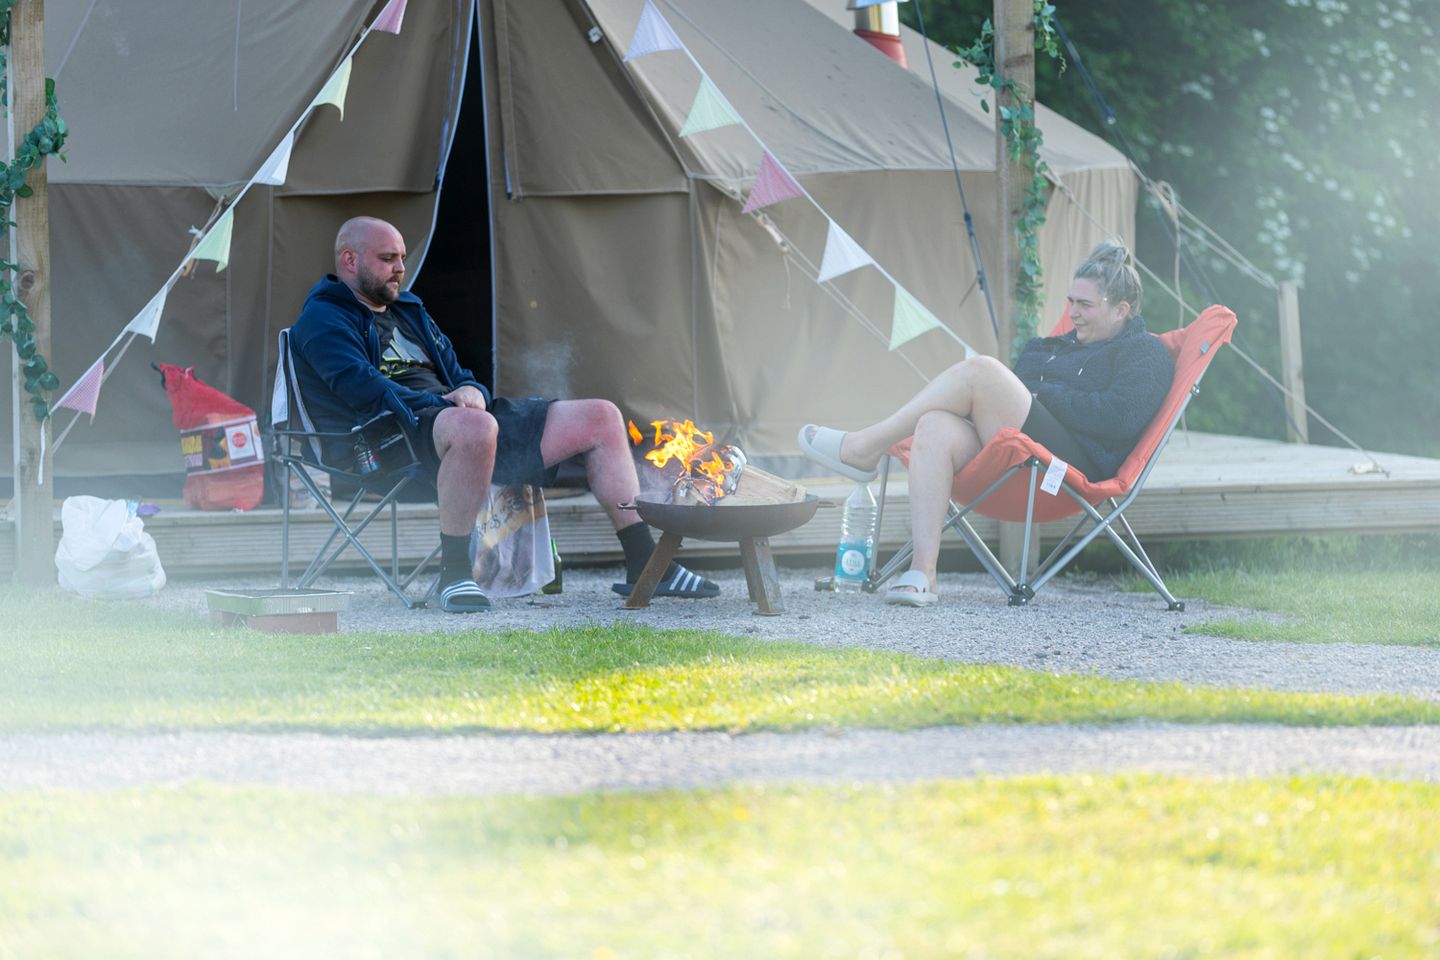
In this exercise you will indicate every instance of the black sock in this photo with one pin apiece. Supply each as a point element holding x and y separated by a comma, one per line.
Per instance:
<point>638,542</point>
<point>454,557</point>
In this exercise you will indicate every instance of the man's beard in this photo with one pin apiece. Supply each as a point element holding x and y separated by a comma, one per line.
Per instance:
<point>376,289</point>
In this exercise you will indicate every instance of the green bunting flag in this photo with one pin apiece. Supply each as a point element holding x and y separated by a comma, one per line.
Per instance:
<point>709,111</point>
<point>335,89</point>
<point>911,319</point>
<point>216,245</point>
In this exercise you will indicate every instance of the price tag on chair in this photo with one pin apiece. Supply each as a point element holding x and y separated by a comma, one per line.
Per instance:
<point>1054,476</point>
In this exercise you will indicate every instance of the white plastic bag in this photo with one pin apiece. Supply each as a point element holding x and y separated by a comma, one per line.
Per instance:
<point>511,546</point>
<point>104,551</point>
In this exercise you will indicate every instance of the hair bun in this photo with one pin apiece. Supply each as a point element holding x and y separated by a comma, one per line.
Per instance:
<point>1112,250</point>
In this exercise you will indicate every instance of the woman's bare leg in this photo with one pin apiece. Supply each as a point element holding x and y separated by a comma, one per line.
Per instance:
<point>944,443</point>
<point>981,389</point>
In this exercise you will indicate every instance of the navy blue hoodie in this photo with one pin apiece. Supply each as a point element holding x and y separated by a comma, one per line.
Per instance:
<point>337,359</point>
<point>1104,393</point>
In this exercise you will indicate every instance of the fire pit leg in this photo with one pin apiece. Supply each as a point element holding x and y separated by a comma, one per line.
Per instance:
<point>761,577</point>
<point>659,562</point>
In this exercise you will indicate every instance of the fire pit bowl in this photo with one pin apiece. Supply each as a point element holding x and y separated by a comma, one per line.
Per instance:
<point>724,523</point>
<point>751,524</point>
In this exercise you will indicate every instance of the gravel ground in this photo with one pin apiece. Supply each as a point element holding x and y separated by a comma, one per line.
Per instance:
<point>477,765</point>
<point>1069,628</point>
<point>1072,626</point>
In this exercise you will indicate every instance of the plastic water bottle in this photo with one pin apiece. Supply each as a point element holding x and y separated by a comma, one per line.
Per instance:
<point>857,540</point>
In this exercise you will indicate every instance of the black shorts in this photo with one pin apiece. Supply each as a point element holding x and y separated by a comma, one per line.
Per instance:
<point>1042,427</point>
<point>517,449</point>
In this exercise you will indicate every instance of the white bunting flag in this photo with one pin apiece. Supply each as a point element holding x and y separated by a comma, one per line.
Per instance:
<point>652,35</point>
<point>277,168</point>
<point>85,394</point>
<point>335,89</point>
<point>216,245</point>
<point>910,319</point>
<point>710,110</point>
<point>842,255</point>
<point>147,321</point>
<point>390,18</point>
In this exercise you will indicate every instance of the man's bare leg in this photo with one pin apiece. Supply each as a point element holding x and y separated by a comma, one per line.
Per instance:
<point>595,430</point>
<point>465,440</point>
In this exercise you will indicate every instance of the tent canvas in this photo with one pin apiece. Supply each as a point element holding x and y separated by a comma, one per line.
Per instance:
<point>613,258</point>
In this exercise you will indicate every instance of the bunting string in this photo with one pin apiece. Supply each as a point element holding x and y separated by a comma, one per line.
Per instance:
<point>213,242</point>
<point>772,184</point>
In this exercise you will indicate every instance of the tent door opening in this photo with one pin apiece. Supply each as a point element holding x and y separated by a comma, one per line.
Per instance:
<point>455,280</point>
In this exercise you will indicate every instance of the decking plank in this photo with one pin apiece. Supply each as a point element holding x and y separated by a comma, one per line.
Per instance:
<point>1205,486</point>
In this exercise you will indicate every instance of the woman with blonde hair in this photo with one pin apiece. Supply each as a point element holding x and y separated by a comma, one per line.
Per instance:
<point>1087,396</point>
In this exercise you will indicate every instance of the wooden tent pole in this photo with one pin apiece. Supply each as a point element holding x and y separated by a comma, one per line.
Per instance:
<point>30,248</point>
<point>1292,369</point>
<point>1014,61</point>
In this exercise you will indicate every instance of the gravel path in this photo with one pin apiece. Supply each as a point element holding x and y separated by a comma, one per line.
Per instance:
<point>532,764</point>
<point>1071,627</point>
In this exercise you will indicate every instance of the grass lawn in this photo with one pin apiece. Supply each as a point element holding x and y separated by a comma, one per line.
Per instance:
<point>1365,606</point>
<point>1330,589</point>
<point>71,664</point>
<point>1032,867</point>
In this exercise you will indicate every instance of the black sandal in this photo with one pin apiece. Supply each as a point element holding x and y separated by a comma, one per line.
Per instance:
<point>678,582</point>
<point>463,596</point>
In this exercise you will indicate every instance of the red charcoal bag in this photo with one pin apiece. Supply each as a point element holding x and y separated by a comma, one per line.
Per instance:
<point>220,441</point>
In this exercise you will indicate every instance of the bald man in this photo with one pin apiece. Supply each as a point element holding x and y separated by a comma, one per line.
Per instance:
<point>364,344</point>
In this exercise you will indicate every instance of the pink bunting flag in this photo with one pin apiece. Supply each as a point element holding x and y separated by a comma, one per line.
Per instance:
<point>390,18</point>
<point>773,183</point>
<point>85,394</point>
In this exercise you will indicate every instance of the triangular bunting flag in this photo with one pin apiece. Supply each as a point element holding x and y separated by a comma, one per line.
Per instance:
<point>773,183</point>
<point>841,255</point>
<point>710,110</point>
<point>277,168</point>
<point>85,394</point>
<point>911,319</point>
<point>147,321</point>
<point>390,18</point>
<point>652,35</point>
<point>335,89</point>
<point>216,245</point>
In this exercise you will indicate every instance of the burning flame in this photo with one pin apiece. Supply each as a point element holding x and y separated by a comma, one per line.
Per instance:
<point>708,471</point>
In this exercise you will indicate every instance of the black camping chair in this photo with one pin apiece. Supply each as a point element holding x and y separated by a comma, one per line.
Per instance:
<point>383,464</point>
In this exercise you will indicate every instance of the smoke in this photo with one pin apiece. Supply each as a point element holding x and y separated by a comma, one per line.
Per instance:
<point>545,370</point>
<point>656,484</point>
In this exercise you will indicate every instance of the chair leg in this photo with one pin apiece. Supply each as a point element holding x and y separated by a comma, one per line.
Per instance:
<point>1103,524</point>
<point>351,536</point>
<point>285,528</point>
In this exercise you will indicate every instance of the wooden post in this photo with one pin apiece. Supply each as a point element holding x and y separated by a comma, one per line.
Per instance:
<point>1015,62</point>
<point>30,248</point>
<point>1292,367</point>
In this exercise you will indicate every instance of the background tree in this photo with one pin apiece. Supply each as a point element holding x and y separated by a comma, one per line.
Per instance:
<point>1305,133</point>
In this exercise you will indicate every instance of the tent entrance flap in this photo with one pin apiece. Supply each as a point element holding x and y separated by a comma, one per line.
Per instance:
<point>456,282</point>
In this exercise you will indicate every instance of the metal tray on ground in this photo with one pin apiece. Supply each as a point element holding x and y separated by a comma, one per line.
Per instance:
<point>270,603</point>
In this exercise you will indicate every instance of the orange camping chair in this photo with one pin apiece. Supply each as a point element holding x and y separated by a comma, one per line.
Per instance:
<point>1002,481</point>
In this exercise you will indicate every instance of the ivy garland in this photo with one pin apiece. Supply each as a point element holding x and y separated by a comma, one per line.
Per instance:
<point>46,138</point>
<point>1023,139</point>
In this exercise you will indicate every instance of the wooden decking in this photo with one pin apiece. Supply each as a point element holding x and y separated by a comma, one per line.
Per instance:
<point>1205,486</point>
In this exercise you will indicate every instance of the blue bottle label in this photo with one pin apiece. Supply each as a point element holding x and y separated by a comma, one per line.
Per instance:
<point>851,562</point>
